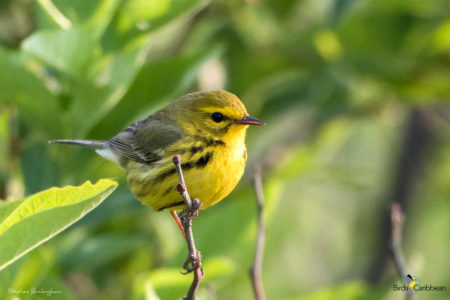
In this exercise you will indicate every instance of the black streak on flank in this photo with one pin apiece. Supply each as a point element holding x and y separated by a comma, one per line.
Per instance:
<point>187,165</point>
<point>196,149</point>
<point>200,163</point>
<point>184,166</point>
<point>165,174</point>
<point>203,161</point>
<point>211,142</point>
<point>169,190</point>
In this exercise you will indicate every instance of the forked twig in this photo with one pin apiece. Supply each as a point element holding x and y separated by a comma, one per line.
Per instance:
<point>256,269</point>
<point>193,262</point>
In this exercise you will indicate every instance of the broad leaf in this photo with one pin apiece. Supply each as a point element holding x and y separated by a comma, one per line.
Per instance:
<point>135,18</point>
<point>104,95</point>
<point>27,92</point>
<point>29,222</point>
<point>58,14</point>
<point>26,273</point>
<point>68,51</point>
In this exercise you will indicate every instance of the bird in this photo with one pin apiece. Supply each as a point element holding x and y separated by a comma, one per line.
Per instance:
<point>206,129</point>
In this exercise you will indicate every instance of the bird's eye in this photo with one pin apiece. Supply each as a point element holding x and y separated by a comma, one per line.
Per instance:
<point>217,117</point>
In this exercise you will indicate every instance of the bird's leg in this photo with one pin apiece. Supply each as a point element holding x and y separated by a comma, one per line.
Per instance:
<point>194,259</point>
<point>177,220</point>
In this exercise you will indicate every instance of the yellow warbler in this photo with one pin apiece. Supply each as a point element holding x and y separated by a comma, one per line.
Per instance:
<point>207,129</point>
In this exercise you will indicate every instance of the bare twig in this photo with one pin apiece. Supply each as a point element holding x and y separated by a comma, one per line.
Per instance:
<point>181,187</point>
<point>419,137</point>
<point>256,270</point>
<point>397,221</point>
<point>193,262</point>
<point>395,245</point>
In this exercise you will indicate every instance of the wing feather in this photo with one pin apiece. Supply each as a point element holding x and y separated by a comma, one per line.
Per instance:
<point>143,141</point>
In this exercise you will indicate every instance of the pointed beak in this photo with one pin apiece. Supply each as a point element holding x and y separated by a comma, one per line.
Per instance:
<point>247,120</point>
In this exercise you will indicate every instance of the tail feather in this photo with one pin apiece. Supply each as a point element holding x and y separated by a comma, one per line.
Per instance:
<point>95,144</point>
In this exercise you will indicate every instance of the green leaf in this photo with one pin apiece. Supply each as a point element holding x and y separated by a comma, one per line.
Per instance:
<point>39,171</point>
<point>27,223</point>
<point>68,51</point>
<point>27,92</point>
<point>59,13</point>
<point>101,250</point>
<point>120,72</point>
<point>4,138</point>
<point>26,273</point>
<point>102,16</point>
<point>137,18</point>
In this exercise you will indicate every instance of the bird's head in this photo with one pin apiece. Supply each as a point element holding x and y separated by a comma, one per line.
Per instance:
<point>215,114</point>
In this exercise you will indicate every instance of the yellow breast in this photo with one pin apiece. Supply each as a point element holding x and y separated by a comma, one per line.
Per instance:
<point>211,169</point>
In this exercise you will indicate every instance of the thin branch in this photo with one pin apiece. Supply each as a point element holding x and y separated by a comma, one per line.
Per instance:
<point>193,262</point>
<point>181,187</point>
<point>395,245</point>
<point>256,270</point>
<point>418,139</point>
<point>397,221</point>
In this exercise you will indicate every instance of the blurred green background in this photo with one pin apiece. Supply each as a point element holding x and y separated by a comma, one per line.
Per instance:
<point>356,96</point>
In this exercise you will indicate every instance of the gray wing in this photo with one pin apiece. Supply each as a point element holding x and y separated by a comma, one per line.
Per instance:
<point>142,141</point>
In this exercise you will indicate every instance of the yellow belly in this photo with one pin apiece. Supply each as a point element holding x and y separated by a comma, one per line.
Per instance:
<point>209,183</point>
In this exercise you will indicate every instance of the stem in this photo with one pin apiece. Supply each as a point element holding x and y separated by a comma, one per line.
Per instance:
<point>181,187</point>
<point>395,244</point>
<point>193,262</point>
<point>413,158</point>
<point>256,270</point>
<point>397,221</point>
